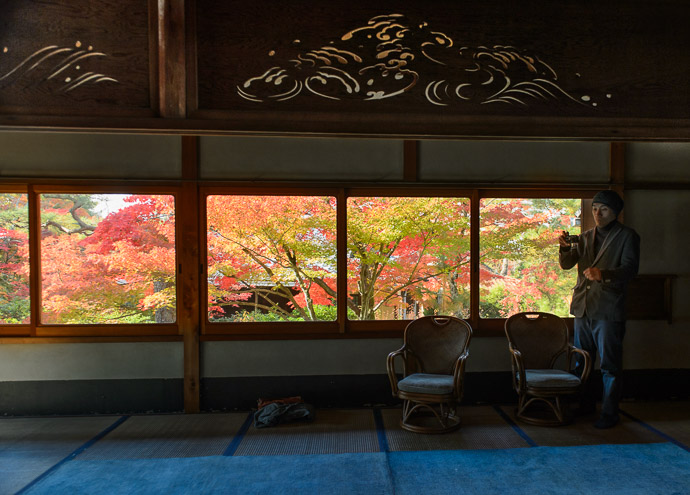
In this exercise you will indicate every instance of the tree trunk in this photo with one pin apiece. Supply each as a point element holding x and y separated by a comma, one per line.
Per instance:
<point>163,315</point>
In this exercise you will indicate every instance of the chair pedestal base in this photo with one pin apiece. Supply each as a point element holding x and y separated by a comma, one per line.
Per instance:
<point>422,417</point>
<point>543,412</point>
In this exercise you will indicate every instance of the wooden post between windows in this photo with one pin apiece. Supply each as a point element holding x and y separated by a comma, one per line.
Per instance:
<point>341,280</point>
<point>474,258</point>
<point>617,170</point>
<point>34,205</point>
<point>188,274</point>
<point>410,161</point>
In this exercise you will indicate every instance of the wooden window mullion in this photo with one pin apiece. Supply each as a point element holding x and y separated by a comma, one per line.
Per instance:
<point>34,258</point>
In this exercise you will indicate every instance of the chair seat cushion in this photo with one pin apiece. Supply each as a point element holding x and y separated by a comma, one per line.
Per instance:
<point>551,379</point>
<point>427,383</point>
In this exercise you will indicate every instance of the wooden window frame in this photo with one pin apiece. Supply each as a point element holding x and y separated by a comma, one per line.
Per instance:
<point>19,329</point>
<point>259,329</point>
<point>190,226</point>
<point>343,327</point>
<point>495,326</point>
<point>38,329</point>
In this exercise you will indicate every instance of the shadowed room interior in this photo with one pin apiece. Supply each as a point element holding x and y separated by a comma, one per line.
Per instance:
<point>403,159</point>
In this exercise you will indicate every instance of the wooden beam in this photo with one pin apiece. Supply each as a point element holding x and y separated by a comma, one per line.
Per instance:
<point>586,216</point>
<point>153,57</point>
<point>341,246</point>
<point>191,61</point>
<point>188,258</point>
<point>190,158</point>
<point>172,71</point>
<point>617,166</point>
<point>35,257</point>
<point>410,161</point>
<point>617,170</point>
<point>474,258</point>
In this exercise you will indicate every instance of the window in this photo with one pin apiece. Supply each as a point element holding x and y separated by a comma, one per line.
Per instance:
<point>271,258</point>
<point>408,257</point>
<point>14,259</point>
<point>519,268</point>
<point>278,260</point>
<point>107,258</point>
<point>274,258</point>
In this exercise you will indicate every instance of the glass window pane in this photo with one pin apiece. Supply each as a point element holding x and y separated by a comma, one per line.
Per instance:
<point>519,268</point>
<point>14,259</point>
<point>271,258</point>
<point>107,258</point>
<point>408,257</point>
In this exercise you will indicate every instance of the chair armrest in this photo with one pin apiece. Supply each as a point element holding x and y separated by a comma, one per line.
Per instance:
<point>390,367</point>
<point>587,367</point>
<point>518,367</point>
<point>459,374</point>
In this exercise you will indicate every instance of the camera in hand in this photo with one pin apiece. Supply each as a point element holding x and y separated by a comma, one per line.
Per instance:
<point>571,239</point>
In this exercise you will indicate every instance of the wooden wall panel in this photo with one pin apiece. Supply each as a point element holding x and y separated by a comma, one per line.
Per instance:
<point>75,58</point>
<point>615,70</point>
<point>438,67</point>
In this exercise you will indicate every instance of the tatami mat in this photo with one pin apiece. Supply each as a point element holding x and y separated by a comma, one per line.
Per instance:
<point>31,446</point>
<point>334,431</point>
<point>481,428</point>
<point>671,418</point>
<point>582,432</point>
<point>175,435</point>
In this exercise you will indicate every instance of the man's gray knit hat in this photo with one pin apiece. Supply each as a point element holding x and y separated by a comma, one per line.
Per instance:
<point>610,199</point>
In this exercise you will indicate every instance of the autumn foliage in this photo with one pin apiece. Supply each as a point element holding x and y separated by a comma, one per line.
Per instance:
<point>406,256</point>
<point>14,259</point>
<point>271,254</point>
<point>113,269</point>
<point>275,257</point>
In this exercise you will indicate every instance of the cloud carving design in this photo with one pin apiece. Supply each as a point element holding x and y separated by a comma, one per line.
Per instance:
<point>390,56</point>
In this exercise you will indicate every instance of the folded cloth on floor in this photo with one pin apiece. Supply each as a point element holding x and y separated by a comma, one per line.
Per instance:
<point>277,413</point>
<point>285,400</point>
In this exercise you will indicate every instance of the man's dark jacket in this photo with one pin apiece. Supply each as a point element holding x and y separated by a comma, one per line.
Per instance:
<point>618,259</point>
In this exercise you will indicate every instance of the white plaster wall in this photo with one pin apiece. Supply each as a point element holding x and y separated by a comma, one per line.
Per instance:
<point>113,156</point>
<point>272,158</point>
<point>657,162</point>
<point>660,217</point>
<point>93,361</point>
<point>513,162</point>
<point>327,357</point>
<point>90,361</point>
<point>296,357</point>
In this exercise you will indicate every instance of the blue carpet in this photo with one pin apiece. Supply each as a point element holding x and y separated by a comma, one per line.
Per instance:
<point>647,469</point>
<point>355,474</point>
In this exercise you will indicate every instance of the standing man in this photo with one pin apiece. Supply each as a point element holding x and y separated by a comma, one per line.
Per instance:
<point>607,258</point>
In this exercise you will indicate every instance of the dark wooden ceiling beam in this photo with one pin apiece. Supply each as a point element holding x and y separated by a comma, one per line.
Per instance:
<point>172,71</point>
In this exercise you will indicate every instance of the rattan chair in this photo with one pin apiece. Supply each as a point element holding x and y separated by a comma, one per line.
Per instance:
<point>433,354</point>
<point>542,367</point>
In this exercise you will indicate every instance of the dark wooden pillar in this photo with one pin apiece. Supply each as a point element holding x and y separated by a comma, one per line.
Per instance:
<point>617,170</point>
<point>188,257</point>
<point>172,67</point>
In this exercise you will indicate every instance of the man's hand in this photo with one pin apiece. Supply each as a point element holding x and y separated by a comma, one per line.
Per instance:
<point>561,239</point>
<point>592,274</point>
